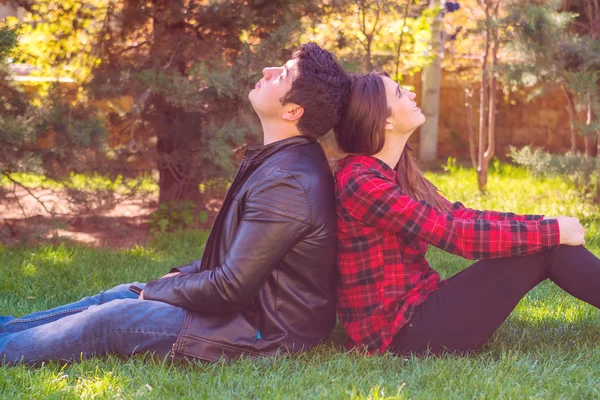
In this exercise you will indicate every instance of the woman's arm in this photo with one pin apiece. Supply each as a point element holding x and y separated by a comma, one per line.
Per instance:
<point>458,210</point>
<point>380,203</point>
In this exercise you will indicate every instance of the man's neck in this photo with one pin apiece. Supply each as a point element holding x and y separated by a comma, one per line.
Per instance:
<point>273,132</point>
<point>392,150</point>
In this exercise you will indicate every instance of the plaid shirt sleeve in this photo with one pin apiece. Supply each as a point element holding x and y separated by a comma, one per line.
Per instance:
<point>379,202</point>
<point>458,210</point>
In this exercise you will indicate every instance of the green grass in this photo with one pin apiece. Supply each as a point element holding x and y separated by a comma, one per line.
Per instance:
<point>547,349</point>
<point>88,183</point>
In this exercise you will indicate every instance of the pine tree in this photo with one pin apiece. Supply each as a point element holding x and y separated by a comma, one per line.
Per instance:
<point>189,66</point>
<point>554,47</point>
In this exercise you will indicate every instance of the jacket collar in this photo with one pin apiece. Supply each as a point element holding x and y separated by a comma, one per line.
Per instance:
<point>370,163</point>
<point>259,153</point>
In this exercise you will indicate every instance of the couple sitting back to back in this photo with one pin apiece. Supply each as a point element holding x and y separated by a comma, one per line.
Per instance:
<point>290,242</point>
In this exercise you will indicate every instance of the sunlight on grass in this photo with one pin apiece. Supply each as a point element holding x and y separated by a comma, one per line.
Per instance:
<point>378,393</point>
<point>98,384</point>
<point>29,269</point>
<point>61,255</point>
<point>550,312</point>
<point>147,253</point>
<point>514,189</point>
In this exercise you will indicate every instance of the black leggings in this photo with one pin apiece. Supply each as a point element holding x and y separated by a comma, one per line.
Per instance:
<point>463,314</point>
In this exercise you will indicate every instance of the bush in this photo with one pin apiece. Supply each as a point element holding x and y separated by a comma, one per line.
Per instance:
<point>172,217</point>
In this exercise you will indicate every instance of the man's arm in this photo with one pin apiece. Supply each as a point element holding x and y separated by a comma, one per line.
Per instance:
<point>275,217</point>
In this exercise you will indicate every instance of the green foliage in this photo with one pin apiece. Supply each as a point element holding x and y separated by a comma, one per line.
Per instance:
<point>172,217</point>
<point>58,37</point>
<point>548,347</point>
<point>54,137</point>
<point>77,136</point>
<point>8,42</point>
<point>543,163</point>
<point>365,35</point>
<point>541,47</point>
<point>451,166</point>
<point>12,103</point>
<point>88,183</point>
<point>188,66</point>
<point>578,168</point>
<point>545,49</point>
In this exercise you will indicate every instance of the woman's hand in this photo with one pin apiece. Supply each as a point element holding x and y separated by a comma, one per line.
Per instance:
<point>572,232</point>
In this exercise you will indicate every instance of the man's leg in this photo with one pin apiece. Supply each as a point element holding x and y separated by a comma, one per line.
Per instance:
<point>124,326</point>
<point>463,314</point>
<point>10,324</point>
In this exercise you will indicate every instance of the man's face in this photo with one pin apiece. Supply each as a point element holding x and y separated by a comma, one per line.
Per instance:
<point>268,92</point>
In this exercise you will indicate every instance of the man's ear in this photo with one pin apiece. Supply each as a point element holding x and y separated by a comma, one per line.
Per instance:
<point>292,112</point>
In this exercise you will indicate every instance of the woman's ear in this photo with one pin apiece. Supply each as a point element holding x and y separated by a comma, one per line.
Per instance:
<point>292,112</point>
<point>389,124</point>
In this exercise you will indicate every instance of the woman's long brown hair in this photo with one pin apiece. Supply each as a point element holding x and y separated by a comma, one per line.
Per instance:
<point>361,130</point>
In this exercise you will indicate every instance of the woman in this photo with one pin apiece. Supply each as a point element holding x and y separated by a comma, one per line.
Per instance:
<point>389,296</point>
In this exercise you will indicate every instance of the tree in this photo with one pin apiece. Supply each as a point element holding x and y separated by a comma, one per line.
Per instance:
<point>588,24</point>
<point>430,97</point>
<point>12,105</point>
<point>544,52</point>
<point>373,35</point>
<point>479,32</point>
<point>560,48</point>
<point>188,66</point>
<point>486,147</point>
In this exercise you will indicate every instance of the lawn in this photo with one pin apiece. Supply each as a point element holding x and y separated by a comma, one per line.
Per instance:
<point>547,349</point>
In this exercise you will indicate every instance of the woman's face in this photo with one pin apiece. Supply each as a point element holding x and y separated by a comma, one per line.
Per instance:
<point>406,116</point>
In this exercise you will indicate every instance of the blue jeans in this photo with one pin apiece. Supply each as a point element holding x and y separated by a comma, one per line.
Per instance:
<point>114,321</point>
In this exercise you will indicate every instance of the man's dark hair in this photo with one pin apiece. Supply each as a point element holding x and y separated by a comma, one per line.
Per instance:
<point>321,87</point>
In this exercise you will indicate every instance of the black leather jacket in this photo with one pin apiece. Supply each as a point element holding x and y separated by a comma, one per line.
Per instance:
<point>266,282</point>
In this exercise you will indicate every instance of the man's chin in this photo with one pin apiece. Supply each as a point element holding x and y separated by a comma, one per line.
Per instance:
<point>252,102</point>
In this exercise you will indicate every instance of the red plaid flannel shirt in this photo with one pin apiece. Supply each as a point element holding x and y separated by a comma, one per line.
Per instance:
<point>382,240</point>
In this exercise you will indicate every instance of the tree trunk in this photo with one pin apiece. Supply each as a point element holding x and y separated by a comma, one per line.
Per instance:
<point>179,178</point>
<point>471,133</point>
<point>590,140</point>
<point>430,100</point>
<point>591,146</point>
<point>175,128</point>
<point>481,167</point>
<point>572,117</point>
<point>491,145</point>
<point>598,186</point>
<point>482,177</point>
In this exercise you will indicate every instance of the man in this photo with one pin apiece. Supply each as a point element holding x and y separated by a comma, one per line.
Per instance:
<point>266,282</point>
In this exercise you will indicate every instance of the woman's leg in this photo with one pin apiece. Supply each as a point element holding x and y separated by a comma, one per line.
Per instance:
<point>10,324</point>
<point>463,314</point>
<point>124,326</point>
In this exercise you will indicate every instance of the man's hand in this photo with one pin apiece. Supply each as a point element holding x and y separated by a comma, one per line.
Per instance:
<point>572,232</point>
<point>141,296</point>
<point>170,274</point>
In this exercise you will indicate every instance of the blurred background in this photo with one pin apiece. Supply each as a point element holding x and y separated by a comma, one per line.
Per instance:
<point>122,118</point>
